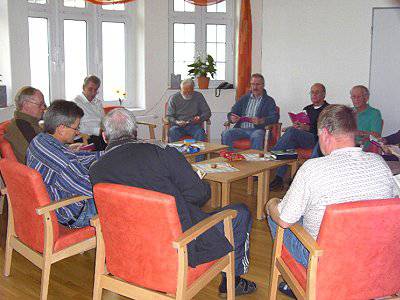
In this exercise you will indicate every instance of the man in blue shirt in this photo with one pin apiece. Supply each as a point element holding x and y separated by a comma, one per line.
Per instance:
<point>65,172</point>
<point>251,114</point>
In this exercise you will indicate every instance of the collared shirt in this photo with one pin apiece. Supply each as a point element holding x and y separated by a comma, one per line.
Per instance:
<point>251,110</point>
<point>94,112</point>
<point>346,175</point>
<point>369,120</point>
<point>65,173</point>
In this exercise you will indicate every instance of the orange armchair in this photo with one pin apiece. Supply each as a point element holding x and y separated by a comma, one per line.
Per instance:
<point>356,255</point>
<point>139,239</point>
<point>33,230</point>
<point>272,134</point>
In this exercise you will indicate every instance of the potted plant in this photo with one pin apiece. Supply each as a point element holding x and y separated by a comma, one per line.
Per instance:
<point>201,68</point>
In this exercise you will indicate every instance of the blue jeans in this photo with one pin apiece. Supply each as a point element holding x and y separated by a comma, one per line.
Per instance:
<point>176,132</point>
<point>241,234</point>
<point>256,137</point>
<point>88,212</point>
<point>293,138</point>
<point>292,243</point>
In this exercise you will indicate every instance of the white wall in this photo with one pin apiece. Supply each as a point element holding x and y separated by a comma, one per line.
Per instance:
<point>316,41</point>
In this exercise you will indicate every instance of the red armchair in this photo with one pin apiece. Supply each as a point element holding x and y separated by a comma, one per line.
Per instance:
<point>140,240</point>
<point>272,134</point>
<point>33,230</point>
<point>356,255</point>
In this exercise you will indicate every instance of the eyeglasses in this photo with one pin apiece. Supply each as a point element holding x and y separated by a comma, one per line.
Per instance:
<point>42,104</point>
<point>75,129</point>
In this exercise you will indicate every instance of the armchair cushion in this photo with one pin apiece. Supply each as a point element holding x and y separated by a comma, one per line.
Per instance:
<point>69,236</point>
<point>299,272</point>
<point>6,150</point>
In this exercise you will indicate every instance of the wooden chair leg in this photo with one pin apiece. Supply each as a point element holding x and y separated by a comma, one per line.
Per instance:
<point>2,197</point>
<point>44,289</point>
<point>230,278</point>
<point>250,185</point>
<point>273,285</point>
<point>8,255</point>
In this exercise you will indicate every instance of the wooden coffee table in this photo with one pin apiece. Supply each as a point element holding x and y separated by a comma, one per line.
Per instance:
<point>247,169</point>
<point>208,149</point>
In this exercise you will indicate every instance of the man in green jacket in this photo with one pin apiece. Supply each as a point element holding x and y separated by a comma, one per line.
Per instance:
<point>30,105</point>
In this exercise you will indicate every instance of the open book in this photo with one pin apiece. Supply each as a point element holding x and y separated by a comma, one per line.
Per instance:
<point>301,117</point>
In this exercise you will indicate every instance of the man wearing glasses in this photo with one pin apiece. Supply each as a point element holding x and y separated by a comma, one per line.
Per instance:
<point>251,114</point>
<point>24,126</point>
<point>302,135</point>
<point>64,172</point>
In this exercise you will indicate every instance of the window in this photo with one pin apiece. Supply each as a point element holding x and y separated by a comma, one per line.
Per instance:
<point>198,31</point>
<point>70,39</point>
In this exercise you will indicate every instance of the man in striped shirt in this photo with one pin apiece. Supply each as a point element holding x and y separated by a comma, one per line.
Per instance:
<point>64,172</point>
<point>251,114</point>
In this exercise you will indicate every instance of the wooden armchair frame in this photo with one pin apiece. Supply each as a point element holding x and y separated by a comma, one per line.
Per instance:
<point>279,267</point>
<point>48,257</point>
<point>104,281</point>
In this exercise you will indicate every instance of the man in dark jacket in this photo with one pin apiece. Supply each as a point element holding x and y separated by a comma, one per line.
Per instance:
<point>251,114</point>
<point>160,168</point>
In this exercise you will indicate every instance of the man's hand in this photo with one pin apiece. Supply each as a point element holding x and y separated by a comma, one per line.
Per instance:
<point>196,120</point>
<point>234,118</point>
<point>258,121</point>
<point>271,208</point>
<point>301,126</point>
<point>181,123</point>
<point>75,146</point>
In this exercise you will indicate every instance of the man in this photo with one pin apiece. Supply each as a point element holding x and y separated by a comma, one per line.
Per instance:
<point>186,111</point>
<point>345,174</point>
<point>64,172</point>
<point>160,168</point>
<point>302,135</point>
<point>369,119</point>
<point>251,114</point>
<point>93,109</point>
<point>30,105</point>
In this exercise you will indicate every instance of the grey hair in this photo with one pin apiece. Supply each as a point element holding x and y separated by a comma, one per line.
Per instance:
<point>338,120</point>
<point>92,78</point>
<point>187,81</point>
<point>61,112</point>
<point>119,123</point>
<point>363,88</point>
<point>23,94</point>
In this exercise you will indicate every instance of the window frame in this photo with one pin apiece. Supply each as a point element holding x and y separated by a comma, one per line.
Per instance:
<point>93,15</point>
<point>200,17</point>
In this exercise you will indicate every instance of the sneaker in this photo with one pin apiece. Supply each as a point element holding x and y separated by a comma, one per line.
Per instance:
<point>285,289</point>
<point>243,287</point>
<point>276,183</point>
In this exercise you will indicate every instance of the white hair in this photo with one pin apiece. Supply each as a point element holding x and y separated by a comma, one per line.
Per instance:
<point>187,81</point>
<point>119,123</point>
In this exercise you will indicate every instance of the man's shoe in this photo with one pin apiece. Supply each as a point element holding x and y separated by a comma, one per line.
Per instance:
<point>285,289</point>
<point>243,287</point>
<point>276,183</point>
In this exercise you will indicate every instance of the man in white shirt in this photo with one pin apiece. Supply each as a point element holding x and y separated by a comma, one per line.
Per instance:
<point>93,109</point>
<point>344,174</point>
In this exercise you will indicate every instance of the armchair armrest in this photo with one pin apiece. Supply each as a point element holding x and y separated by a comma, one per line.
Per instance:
<point>165,121</point>
<point>203,226</point>
<point>95,221</point>
<point>151,128</point>
<point>55,205</point>
<point>147,124</point>
<point>306,239</point>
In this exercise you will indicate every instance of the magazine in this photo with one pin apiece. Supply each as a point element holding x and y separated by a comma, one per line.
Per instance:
<point>301,117</point>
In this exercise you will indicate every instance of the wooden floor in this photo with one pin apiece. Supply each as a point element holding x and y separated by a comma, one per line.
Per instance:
<point>73,278</point>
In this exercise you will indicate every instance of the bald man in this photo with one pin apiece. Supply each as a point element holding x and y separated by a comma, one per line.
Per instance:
<point>302,135</point>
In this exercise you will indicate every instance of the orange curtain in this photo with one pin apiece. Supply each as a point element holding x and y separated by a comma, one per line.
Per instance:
<point>244,57</point>
<point>204,2</point>
<point>108,1</point>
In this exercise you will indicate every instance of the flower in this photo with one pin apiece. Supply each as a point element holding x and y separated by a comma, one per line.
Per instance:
<point>121,95</point>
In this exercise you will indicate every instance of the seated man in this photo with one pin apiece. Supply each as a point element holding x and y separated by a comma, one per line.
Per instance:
<point>30,105</point>
<point>161,168</point>
<point>302,135</point>
<point>186,111</point>
<point>345,174</point>
<point>93,110</point>
<point>65,173</point>
<point>251,114</point>
<point>369,119</point>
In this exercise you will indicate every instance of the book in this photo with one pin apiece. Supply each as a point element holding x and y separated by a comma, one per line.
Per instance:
<point>301,117</point>
<point>88,147</point>
<point>284,154</point>
<point>245,119</point>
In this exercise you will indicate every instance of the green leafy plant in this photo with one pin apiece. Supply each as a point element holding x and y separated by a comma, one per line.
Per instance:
<point>202,68</point>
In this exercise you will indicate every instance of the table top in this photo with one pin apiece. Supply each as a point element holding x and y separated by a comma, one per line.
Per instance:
<point>246,168</point>
<point>209,147</point>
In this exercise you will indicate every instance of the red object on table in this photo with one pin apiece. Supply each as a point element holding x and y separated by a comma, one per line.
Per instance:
<point>231,156</point>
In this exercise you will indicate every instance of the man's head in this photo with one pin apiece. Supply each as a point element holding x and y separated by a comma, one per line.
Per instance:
<point>118,124</point>
<point>187,88</point>
<point>30,101</point>
<point>257,84</point>
<point>62,120</point>
<point>317,94</point>
<point>337,126</point>
<point>359,95</point>
<point>91,86</point>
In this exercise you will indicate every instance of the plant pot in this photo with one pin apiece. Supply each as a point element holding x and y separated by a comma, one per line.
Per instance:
<point>203,82</point>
